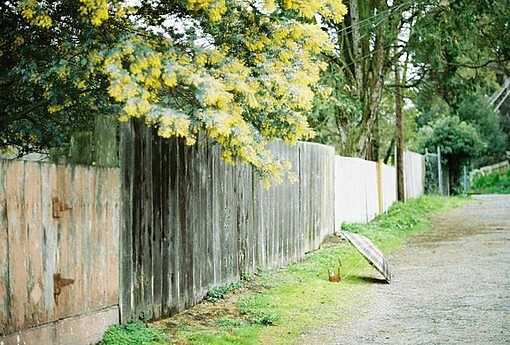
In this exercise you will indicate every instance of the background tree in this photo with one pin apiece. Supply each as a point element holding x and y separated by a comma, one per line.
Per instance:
<point>367,44</point>
<point>449,62</point>
<point>459,142</point>
<point>460,62</point>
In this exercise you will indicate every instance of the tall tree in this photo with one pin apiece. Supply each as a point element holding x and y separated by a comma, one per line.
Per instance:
<point>460,62</point>
<point>399,133</point>
<point>362,61</point>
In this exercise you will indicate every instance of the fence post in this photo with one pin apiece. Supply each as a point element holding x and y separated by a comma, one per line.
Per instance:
<point>81,148</point>
<point>106,152</point>
<point>439,172</point>
<point>380,194</point>
<point>466,185</point>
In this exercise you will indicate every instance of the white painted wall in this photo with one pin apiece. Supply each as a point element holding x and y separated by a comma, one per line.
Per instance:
<point>414,174</point>
<point>356,198</point>
<point>356,187</point>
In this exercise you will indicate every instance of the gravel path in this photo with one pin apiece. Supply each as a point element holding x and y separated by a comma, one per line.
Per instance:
<point>450,286</point>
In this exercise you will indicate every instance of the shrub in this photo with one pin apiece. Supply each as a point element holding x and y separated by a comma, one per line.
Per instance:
<point>494,183</point>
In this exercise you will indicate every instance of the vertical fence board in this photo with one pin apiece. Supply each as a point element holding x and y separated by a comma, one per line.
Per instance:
<point>5,314</point>
<point>156,226</point>
<point>165,236</point>
<point>127,230</point>
<point>80,201</point>
<point>40,238</point>
<point>96,235</point>
<point>137,230</point>
<point>173,233</point>
<point>209,202</point>
<point>215,221</point>
<point>111,203</point>
<point>17,245</point>
<point>50,242</point>
<point>35,310</point>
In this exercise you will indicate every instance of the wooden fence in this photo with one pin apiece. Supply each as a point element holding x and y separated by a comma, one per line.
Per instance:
<point>501,167</point>
<point>175,219</point>
<point>59,237</point>
<point>192,222</point>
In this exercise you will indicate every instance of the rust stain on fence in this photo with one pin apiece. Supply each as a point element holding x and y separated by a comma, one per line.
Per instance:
<point>59,233</point>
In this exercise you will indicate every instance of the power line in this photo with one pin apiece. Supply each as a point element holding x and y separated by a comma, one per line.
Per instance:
<point>376,15</point>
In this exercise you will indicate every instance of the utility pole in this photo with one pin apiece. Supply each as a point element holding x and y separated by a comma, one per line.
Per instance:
<point>399,135</point>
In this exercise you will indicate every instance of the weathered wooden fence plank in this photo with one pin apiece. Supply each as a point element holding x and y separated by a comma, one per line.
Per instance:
<point>33,209</point>
<point>50,242</point>
<point>157,196</point>
<point>5,313</point>
<point>216,221</point>
<point>17,245</point>
<point>111,204</point>
<point>59,242</point>
<point>126,220</point>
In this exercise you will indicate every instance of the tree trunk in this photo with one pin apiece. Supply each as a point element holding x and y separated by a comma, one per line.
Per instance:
<point>356,46</point>
<point>399,136</point>
<point>389,151</point>
<point>372,100</point>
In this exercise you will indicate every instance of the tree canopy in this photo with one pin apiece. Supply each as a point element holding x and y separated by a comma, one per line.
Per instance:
<point>452,53</point>
<point>242,71</point>
<point>246,72</point>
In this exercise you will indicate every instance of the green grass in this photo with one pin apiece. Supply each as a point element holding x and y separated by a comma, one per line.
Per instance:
<point>495,183</point>
<point>300,296</point>
<point>135,333</point>
<point>222,291</point>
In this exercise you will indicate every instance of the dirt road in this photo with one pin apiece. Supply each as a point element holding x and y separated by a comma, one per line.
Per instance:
<point>450,286</point>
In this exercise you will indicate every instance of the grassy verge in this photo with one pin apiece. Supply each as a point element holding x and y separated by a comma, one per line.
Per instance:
<point>494,183</point>
<point>276,307</point>
<point>135,333</point>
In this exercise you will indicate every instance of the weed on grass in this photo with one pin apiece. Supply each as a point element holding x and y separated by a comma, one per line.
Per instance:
<point>135,333</point>
<point>222,291</point>
<point>276,307</point>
